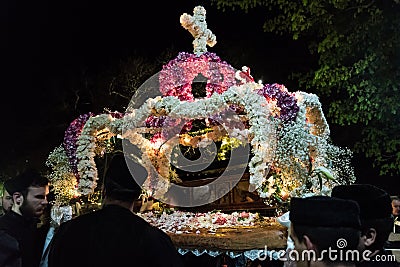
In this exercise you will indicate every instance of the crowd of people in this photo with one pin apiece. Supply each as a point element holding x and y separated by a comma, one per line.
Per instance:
<point>111,236</point>
<point>354,224</point>
<point>349,228</point>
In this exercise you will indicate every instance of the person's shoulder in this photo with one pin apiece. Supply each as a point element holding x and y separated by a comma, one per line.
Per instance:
<point>67,234</point>
<point>78,223</point>
<point>146,225</point>
<point>161,242</point>
<point>2,221</point>
<point>4,218</point>
<point>8,244</point>
<point>85,218</point>
<point>6,237</point>
<point>156,234</point>
<point>9,223</point>
<point>9,250</point>
<point>148,229</point>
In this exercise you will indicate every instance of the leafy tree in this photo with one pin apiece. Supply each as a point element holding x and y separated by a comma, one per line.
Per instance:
<point>357,44</point>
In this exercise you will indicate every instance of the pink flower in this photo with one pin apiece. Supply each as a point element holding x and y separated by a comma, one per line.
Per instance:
<point>221,220</point>
<point>244,214</point>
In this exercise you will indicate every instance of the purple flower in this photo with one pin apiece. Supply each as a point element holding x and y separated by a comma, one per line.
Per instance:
<point>71,136</point>
<point>285,101</point>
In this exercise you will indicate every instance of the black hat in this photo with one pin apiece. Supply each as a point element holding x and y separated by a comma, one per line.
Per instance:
<point>8,186</point>
<point>124,176</point>
<point>374,202</point>
<point>324,211</point>
<point>23,181</point>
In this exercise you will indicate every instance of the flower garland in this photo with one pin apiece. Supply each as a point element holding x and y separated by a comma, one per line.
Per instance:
<point>86,145</point>
<point>262,129</point>
<point>296,143</point>
<point>70,137</point>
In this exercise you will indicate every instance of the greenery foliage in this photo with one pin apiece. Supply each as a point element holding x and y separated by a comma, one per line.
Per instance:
<point>357,44</point>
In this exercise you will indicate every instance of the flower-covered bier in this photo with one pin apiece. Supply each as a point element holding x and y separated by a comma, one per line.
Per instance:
<point>291,150</point>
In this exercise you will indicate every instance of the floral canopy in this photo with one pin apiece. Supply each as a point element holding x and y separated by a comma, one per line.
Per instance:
<point>290,151</point>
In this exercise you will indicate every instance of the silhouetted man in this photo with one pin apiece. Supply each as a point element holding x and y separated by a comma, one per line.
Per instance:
<point>113,235</point>
<point>319,226</point>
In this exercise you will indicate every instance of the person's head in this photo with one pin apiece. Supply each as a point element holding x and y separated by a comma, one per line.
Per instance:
<point>29,191</point>
<point>375,212</point>
<point>395,206</point>
<point>6,198</point>
<point>320,224</point>
<point>123,180</point>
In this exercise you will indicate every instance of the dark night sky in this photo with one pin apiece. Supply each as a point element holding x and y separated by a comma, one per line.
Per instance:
<point>46,42</point>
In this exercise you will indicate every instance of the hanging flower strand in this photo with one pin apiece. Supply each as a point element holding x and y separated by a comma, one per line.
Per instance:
<point>70,138</point>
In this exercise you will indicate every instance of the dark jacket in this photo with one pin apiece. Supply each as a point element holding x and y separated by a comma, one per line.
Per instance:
<point>112,236</point>
<point>9,251</point>
<point>30,239</point>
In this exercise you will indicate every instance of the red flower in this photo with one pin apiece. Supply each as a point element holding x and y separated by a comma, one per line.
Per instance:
<point>221,220</point>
